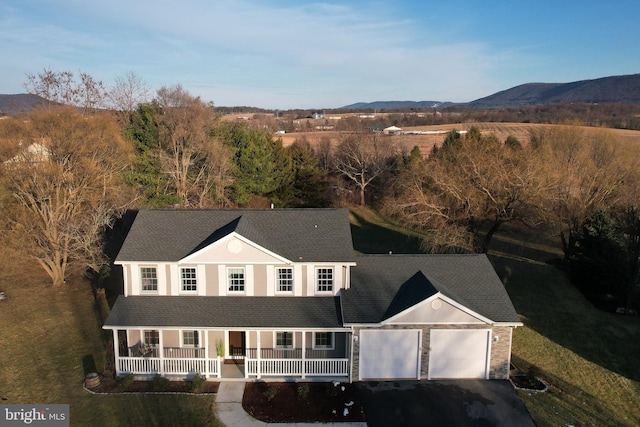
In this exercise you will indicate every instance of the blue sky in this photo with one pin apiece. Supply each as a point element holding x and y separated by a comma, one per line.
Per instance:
<point>304,54</point>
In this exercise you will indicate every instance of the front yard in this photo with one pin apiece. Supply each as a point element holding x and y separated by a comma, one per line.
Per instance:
<point>49,337</point>
<point>588,357</point>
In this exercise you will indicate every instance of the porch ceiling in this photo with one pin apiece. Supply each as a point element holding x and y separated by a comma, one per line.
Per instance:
<point>225,312</point>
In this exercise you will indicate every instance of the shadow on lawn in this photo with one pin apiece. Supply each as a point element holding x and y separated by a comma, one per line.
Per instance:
<point>549,304</point>
<point>369,238</point>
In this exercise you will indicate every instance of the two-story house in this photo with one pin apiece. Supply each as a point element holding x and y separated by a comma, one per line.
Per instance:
<point>280,293</point>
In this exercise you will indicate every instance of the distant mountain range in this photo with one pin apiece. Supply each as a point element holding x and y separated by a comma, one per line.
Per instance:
<point>397,105</point>
<point>16,104</point>
<point>616,89</point>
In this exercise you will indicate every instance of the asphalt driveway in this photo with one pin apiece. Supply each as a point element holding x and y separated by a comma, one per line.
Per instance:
<point>443,403</point>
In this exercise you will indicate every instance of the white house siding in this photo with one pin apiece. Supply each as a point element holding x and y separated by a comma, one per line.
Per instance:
<point>126,276</point>
<point>213,337</point>
<point>260,280</point>
<point>212,280</point>
<point>435,311</point>
<point>231,250</point>
<point>171,338</point>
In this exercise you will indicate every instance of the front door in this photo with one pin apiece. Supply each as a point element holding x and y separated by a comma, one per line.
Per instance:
<point>237,345</point>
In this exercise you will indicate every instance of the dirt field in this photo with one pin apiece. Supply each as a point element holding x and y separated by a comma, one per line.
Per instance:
<point>426,142</point>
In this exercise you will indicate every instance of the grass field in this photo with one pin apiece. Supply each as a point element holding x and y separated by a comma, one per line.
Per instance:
<point>589,357</point>
<point>50,337</point>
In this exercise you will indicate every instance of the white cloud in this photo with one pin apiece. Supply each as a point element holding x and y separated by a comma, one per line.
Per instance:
<point>255,53</point>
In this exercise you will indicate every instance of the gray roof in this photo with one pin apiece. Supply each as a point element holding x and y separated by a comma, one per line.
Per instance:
<point>385,285</point>
<point>301,235</point>
<point>225,312</point>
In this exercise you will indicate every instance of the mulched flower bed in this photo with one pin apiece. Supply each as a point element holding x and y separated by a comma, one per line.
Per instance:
<point>526,382</point>
<point>302,402</point>
<point>109,385</point>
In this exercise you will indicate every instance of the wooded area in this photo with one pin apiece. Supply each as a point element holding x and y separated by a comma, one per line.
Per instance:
<point>69,172</point>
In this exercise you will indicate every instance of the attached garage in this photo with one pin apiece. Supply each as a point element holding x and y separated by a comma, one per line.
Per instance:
<point>459,353</point>
<point>390,354</point>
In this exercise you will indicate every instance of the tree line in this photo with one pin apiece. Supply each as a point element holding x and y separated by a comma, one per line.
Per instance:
<point>69,171</point>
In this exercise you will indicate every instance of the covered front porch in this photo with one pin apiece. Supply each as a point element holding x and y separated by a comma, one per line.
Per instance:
<point>233,354</point>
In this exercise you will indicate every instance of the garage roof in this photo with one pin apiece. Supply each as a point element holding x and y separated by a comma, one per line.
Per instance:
<point>385,285</point>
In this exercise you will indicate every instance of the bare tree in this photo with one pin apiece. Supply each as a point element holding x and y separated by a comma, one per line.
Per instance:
<point>362,157</point>
<point>58,88</point>
<point>462,195</point>
<point>62,202</point>
<point>128,91</point>
<point>587,175</point>
<point>194,160</point>
<point>91,94</point>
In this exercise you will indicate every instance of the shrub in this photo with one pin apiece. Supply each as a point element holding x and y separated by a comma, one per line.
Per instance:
<point>270,393</point>
<point>197,383</point>
<point>303,390</point>
<point>125,382</point>
<point>160,383</point>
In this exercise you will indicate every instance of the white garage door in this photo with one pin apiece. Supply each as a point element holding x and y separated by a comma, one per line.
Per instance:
<point>389,354</point>
<point>459,353</point>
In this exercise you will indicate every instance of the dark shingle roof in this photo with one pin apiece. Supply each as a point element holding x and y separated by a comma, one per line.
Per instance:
<point>302,235</point>
<point>385,285</point>
<point>225,312</point>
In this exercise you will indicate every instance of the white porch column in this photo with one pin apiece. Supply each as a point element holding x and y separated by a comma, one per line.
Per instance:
<point>206,353</point>
<point>116,351</point>
<point>304,353</point>
<point>259,371</point>
<point>226,343</point>
<point>161,350</point>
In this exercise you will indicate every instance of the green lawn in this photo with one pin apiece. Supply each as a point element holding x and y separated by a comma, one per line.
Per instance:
<point>589,357</point>
<point>48,338</point>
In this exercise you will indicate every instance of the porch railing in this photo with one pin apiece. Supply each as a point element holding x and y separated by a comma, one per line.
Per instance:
<point>288,353</point>
<point>294,367</point>
<point>169,365</point>
<point>176,352</point>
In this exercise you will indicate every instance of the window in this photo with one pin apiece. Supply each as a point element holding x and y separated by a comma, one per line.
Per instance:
<point>149,278</point>
<point>284,339</point>
<point>152,338</point>
<point>324,279</point>
<point>190,338</point>
<point>284,278</point>
<point>188,278</point>
<point>323,340</point>
<point>236,279</point>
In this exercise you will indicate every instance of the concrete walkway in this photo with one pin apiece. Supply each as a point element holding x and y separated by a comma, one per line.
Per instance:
<point>229,409</point>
